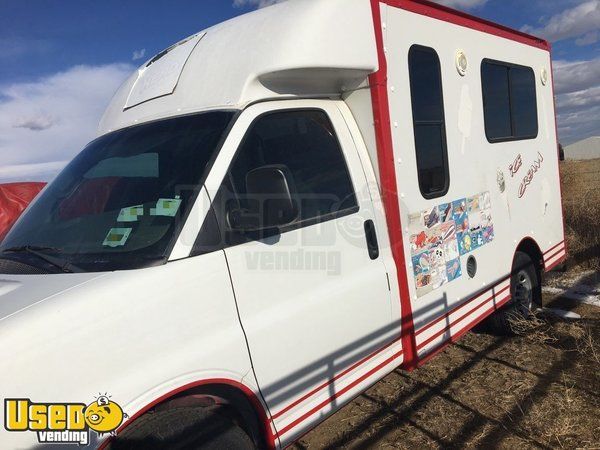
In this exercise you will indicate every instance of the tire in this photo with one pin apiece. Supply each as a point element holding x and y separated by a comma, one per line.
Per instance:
<point>189,428</point>
<point>525,295</point>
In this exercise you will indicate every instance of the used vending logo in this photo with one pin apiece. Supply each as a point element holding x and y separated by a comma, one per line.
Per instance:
<point>63,423</point>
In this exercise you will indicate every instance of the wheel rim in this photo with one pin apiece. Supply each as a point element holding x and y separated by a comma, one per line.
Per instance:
<point>523,293</point>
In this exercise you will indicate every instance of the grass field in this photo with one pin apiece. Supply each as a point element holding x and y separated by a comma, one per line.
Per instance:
<point>581,200</point>
<point>539,390</point>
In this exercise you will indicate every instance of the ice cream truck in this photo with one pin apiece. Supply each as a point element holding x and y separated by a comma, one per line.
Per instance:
<point>277,212</point>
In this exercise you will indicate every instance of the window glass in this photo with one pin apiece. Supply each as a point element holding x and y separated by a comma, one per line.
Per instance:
<point>305,142</point>
<point>524,102</point>
<point>496,101</point>
<point>428,118</point>
<point>121,203</point>
<point>509,101</point>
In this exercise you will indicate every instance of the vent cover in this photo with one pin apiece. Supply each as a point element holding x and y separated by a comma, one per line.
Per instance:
<point>471,266</point>
<point>10,267</point>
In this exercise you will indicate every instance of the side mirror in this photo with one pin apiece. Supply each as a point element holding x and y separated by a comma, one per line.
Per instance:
<point>269,198</point>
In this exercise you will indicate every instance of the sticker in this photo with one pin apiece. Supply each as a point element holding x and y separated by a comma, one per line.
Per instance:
<point>166,207</point>
<point>421,263</point>
<point>488,234</point>
<point>446,212</point>
<point>453,270</point>
<point>476,239</point>
<point>117,237</point>
<point>451,250</point>
<point>130,214</point>
<point>464,243</point>
<point>432,218</point>
<point>441,235</point>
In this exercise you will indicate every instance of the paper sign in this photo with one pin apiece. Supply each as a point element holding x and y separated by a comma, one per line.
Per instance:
<point>167,207</point>
<point>117,237</point>
<point>130,214</point>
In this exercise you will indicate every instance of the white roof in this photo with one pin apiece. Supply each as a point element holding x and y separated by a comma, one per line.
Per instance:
<point>586,149</point>
<point>295,48</point>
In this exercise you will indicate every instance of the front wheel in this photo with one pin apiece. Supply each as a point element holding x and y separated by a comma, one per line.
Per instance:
<point>188,428</point>
<point>524,290</point>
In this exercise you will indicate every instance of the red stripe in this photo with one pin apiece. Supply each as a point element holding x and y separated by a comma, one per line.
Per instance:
<point>251,396</point>
<point>455,338</point>
<point>555,254</point>
<point>550,249</point>
<point>455,17</point>
<point>338,394</point>
<point>558,262</point>
<point>456,308</point>
<point>460,319</point>
<point>327,383</point>
<point>562,209</point>
<point>389,189</point>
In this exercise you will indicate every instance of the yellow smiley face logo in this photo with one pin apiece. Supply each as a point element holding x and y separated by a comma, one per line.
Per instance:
<point>103,415</point>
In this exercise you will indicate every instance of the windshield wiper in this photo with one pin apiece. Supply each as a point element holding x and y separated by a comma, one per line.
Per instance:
<point>63,265</point>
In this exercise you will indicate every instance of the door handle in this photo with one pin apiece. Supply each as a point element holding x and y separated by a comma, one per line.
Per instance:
<point>371,235</point>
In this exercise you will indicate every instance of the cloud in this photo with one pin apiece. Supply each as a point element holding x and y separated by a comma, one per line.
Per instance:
<point>588,39</point>
<point>577,85</point>
<point>571,23</point>
<point>138,54</point>
<point>36,122</point>
<point>255,3</point>
<point>462,4</point>
<point>45,123</point>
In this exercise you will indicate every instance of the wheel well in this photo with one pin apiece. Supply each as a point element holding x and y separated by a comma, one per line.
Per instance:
<point>230,402</point>
<point>530,247</point>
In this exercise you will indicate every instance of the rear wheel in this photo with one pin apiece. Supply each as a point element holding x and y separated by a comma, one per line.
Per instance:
<point>190,428</point>
<point>524,290</point>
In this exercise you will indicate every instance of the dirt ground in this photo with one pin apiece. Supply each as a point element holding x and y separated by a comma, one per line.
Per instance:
<point>540,389</point>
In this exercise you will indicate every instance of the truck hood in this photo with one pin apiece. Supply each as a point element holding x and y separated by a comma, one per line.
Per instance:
<point>19,292</point>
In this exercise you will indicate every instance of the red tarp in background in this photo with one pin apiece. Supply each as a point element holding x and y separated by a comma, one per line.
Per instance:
<point>14,198</point>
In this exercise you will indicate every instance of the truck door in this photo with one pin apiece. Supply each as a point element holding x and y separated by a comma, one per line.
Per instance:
<point>314,297</point>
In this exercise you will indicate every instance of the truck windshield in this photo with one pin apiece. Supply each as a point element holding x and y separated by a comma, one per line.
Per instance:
<point>121,203</point>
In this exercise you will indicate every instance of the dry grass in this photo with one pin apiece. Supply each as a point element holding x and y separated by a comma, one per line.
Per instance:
<point>581,198</point>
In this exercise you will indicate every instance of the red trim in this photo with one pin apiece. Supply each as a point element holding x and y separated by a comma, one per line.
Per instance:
<point>327,383</point>
<point>460,18</point>
<point>256,403</point>
<point>456,337</point>
<point>552,248</point>
<point>556,263</point>
<point>555,254</point>
<point>389,189</point>
<point>338,394</point>
<point>460,319</point>
<point>562,209</point>
<point>456,308</point>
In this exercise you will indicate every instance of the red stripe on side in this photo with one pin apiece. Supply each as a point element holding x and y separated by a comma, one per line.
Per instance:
<point>554,255</point>
<point>387,172</point>
<point>456,308</point>
<point>256,403</point>
<point>552,248</point>
<point>455,338</point>
<point>462,19</point>
<point>327,383</point>
<point>557,263</point>
<point>562,207</point>
<point>457,321</point>
<point>339,393</point>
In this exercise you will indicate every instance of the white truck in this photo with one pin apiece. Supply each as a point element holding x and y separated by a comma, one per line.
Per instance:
<point>276,213</point>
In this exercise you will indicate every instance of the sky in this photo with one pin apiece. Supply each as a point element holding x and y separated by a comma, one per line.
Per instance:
<point>61,62</point>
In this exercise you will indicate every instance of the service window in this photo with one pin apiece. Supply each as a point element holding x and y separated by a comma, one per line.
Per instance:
<point>509,101</point>
<point>305,142</point>
<point>428,120</point>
